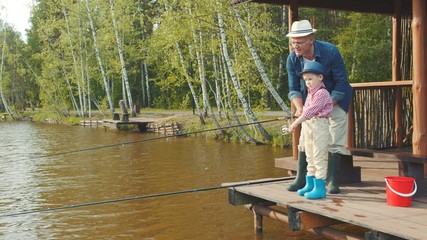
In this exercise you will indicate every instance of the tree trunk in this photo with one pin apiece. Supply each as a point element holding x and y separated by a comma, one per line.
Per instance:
<point>230,105</point>
<point>199,57</point>
<point>242,99</point>
<point>143,85</point>
<point>147,85</point>
<point>76,74</point>
<point>98,56</point>
<point>190,85</point>
<point>67,81</point>
<point>122,61</point>
<point>260,66</point>
<point>6,106</point>
<point>217,85</point>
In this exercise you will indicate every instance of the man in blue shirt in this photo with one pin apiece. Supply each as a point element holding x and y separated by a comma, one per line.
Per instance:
<point>307,49</point>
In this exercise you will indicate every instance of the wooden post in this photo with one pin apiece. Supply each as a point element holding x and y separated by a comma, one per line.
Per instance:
<point>397,43</point>
<point>419,86</point>
<point>125,114</point>
<point>350,127</point>
<point>292,17</point>
<point>258,222</point>
<point>123,107</point>
<point>396,73</point>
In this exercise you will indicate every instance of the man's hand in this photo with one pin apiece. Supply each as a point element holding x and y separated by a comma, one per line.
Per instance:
<point>297,103</point>
<point>298,112</point>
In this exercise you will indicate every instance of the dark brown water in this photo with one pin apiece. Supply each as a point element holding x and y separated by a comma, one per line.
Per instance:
<point>32,178</point>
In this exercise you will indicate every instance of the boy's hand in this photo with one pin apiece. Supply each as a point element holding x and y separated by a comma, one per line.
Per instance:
<point>292,127</point>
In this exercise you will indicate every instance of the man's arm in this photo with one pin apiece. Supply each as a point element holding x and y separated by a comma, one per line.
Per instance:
<point>294,83</point>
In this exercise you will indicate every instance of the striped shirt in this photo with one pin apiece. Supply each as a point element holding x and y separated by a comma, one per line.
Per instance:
<point>318,102</point>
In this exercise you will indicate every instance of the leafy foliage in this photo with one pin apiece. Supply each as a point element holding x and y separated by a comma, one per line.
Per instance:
<point>57,69</point>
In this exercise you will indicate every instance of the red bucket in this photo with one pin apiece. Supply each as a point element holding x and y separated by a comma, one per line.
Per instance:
<point>400,190</point>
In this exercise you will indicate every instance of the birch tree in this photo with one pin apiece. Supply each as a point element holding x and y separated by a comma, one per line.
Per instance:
<point>5,104</point>
<point>230,103</point>
<point>259,64</point>
<point>200,65</point>
<point>190,84</point>
<point>98,56</point>
<point>122,61</point>
<point>247,109</point>
<point>76,74</point>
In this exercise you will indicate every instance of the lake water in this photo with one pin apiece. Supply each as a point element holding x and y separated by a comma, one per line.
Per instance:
<point>42,167</point>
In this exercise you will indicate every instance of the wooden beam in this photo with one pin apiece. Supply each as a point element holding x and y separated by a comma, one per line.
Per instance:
<point>327,232</point>
<point>364,6</point>
<point>419,88</point>
<point>420,77</point>
<point>396,73</point>
<point>292,17</point>
<point>268,212</point>
<point>401,83</point>
<point>350,127</point>
<point>236,198</point>
<point>300,220</point>
<point>376,235</point>
<point>397,45</point>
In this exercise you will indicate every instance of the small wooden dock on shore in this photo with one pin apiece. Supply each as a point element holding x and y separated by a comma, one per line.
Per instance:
<point>358,204</point>
<point>145,125</point>
<point>140,123</point>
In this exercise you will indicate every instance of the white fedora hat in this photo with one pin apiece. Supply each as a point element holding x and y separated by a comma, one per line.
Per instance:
<point>300,29</point>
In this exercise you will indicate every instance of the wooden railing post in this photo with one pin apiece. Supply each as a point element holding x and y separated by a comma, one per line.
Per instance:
<point>419,50</point>
<point>350,131</point>
<point>396,73</point>
<point>293,16</point>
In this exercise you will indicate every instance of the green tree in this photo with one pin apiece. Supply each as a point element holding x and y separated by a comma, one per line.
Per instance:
<point>366,46</point>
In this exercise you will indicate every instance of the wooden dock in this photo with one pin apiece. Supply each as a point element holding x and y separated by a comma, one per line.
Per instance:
<point>140,123</point>
<point>145,125</point>
<point>359,204</point>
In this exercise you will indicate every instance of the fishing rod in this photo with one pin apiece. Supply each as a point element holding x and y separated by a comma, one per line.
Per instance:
<point>147,196</point>
<point>162,137</point>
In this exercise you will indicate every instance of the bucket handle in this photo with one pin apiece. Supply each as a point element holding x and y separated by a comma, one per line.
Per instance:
<point>402,194</point>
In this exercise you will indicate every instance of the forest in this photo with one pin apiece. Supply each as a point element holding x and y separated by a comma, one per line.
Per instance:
<point>87,55</point>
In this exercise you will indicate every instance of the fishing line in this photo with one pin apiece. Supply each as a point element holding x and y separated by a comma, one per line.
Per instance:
<point>144,197</point>
<point>160,137</point>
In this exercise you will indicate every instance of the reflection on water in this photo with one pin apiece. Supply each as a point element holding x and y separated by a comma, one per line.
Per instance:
<point>33,178</point>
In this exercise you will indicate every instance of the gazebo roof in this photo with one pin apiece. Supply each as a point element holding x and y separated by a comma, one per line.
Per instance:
<point>367,6</point>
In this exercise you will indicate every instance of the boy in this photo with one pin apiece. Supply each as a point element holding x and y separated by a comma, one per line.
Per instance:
<point>315,119</point>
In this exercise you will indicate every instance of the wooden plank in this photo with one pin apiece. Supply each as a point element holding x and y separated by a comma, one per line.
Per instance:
<point>301,220</point>
<point>237,198</point>
<point>394,155</point>
<point>258,181</point>
<point>288,163</point>
<point>373,6</point>
<point>371,85</point>
<point>375,235</point>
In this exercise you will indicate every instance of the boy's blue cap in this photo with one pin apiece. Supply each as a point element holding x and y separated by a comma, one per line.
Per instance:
<point>312,67</point>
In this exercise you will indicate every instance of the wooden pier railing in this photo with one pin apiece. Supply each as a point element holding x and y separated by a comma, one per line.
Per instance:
<point>380,116</point>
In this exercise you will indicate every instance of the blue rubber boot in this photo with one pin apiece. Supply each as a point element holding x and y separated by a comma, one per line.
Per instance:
<point>319,190</point>
<point>309,184</point>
